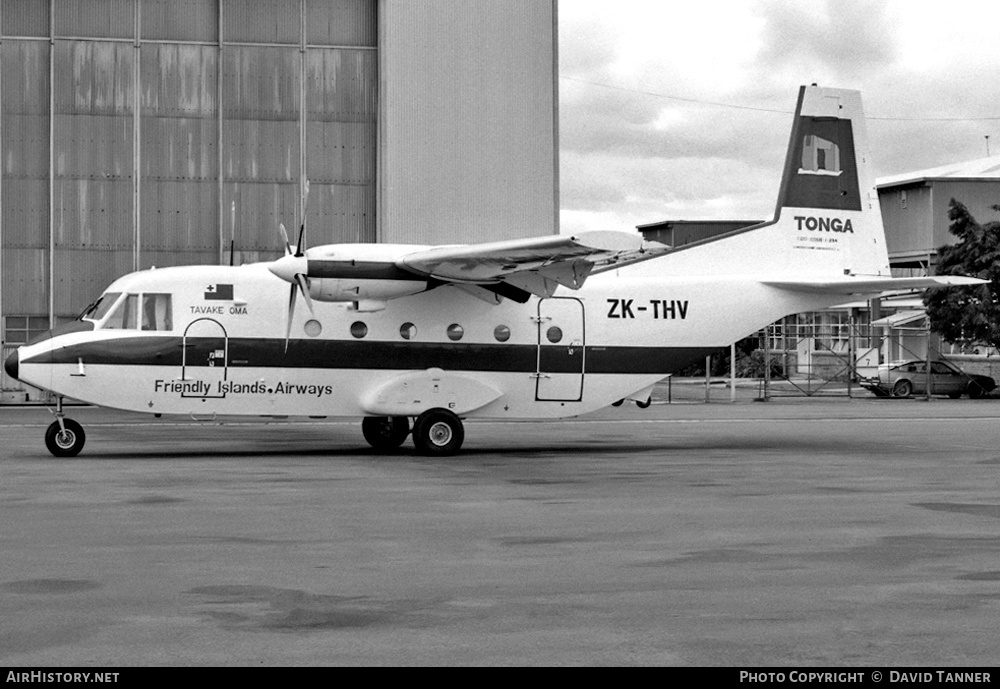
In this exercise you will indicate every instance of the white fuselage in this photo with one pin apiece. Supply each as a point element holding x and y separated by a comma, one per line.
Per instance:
<point>222,347</point>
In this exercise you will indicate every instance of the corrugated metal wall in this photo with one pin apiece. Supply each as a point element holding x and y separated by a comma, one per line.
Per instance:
<point>341,109</point>
<point>213,102</point>
<point>908,225</point>
<point>93,181</point>
<point>179,154</point>
<point>24,185</point>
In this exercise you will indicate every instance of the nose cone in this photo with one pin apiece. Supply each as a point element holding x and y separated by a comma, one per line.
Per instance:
<point>288,267</point>
<point>10,366</point>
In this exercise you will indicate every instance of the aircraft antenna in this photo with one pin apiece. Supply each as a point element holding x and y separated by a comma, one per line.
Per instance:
<point>232,234</point>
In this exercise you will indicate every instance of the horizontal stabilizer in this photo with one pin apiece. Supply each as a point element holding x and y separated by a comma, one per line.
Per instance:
<point>863,285</point>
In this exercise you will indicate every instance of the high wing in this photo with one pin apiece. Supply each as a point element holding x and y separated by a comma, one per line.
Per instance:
<point>517,267</point>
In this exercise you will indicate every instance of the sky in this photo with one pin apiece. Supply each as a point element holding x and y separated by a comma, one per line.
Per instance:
<point>681,109</point>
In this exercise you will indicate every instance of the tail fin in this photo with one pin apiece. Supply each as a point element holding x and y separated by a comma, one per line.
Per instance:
<point>827,221</point>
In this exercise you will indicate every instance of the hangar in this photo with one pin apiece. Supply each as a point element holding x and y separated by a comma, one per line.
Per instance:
<point>915,209</point>
<point>140,133</point>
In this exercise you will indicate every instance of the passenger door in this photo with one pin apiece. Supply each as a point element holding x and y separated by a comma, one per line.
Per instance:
<point>205,357</point>
<point>561,351</point>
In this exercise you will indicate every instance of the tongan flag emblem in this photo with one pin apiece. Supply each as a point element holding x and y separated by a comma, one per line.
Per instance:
<point>223,292</point>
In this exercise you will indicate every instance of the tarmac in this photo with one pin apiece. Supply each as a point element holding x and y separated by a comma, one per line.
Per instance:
<point>798,532</point>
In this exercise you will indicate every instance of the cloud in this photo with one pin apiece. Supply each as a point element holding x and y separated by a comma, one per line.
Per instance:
<point>837,41</point>
<point>682,110</point>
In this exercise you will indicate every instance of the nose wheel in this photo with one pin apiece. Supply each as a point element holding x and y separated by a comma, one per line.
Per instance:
<point>65,438</point>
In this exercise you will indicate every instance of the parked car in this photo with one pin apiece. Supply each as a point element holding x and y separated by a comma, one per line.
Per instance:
<point>906,378</point>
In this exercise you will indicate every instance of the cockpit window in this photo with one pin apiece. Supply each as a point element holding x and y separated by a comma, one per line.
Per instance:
<point>156,312</point>
<point>99,309</point>
<point>124,317</point>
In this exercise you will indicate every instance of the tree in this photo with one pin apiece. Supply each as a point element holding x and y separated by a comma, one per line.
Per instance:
<point>969,313</point>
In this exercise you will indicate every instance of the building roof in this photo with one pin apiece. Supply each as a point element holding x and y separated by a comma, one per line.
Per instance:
<point>979,169</point>
<point>899,319</point>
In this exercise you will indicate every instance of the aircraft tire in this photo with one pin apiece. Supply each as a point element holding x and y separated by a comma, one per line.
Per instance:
<point>68,443</point>
<point>644,405</point>
<point>385,432</point>
<point>438,433</point>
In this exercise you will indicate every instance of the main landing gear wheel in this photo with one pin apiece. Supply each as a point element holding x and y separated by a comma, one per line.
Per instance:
<point>644,405</point>
<point>385,432</point>
<point>437,433</point>
<point>66,440</point>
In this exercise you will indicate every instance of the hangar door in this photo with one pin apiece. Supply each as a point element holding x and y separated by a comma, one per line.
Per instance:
<point>560,350</point>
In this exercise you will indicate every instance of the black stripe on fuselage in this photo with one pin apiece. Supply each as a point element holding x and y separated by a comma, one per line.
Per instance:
<point>370,354</point>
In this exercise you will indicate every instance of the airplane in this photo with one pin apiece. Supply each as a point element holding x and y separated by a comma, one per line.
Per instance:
<point>527,329</point>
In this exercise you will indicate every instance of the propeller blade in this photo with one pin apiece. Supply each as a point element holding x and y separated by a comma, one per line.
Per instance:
<point>298,246</point>
<point>299,251</point>
<point>303,283</point>
<point>284,238</point>
<point>291,312</point>
<point>285,268</point>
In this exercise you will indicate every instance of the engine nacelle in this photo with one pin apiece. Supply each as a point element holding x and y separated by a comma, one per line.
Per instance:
<point>352,273</point>
<point>348,289</point>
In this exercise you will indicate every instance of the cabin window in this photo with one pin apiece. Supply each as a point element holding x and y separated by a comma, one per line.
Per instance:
<point>455,332</point>
<point>125,315</point>
<point>554,334</point>
<point>313,328</point>
<point>359,329</point>
<point>157,312</point>
<point>407,331</point>
<point>501,333</point>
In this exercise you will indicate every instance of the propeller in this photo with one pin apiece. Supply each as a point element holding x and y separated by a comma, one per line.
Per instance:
<point>294,268</point>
